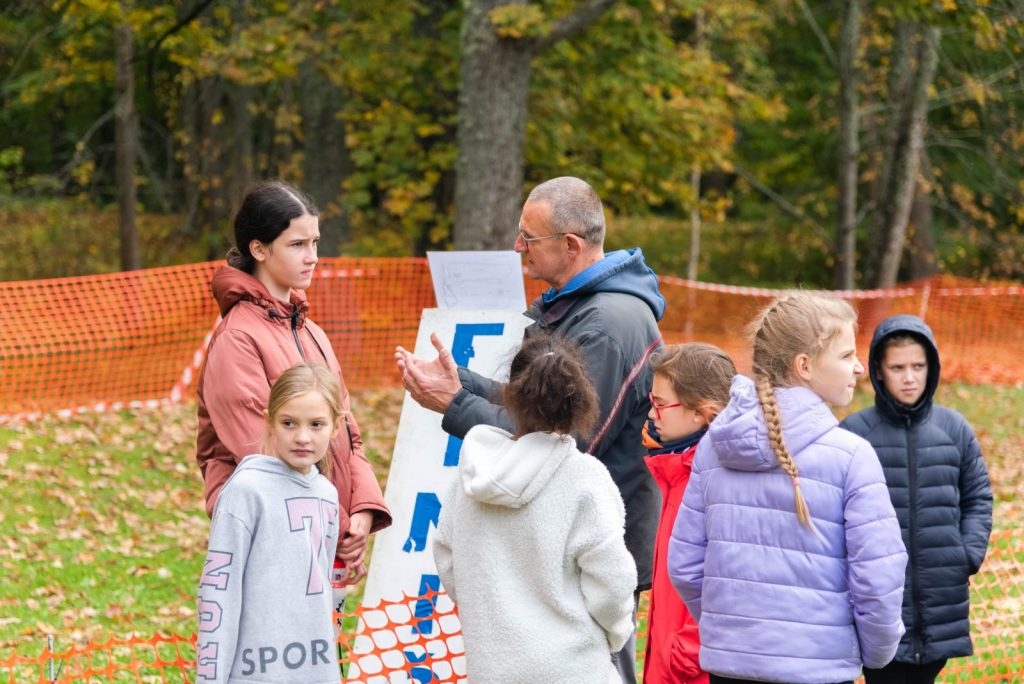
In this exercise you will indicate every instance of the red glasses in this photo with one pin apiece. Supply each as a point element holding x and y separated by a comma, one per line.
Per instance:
<point>658,408</point>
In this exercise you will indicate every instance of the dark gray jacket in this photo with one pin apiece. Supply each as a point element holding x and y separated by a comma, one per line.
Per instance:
<point>611,310</point>
<point>940,488</point>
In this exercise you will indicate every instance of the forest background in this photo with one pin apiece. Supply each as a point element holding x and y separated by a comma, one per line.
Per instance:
<point>833,143</point>
<point>841,143</point>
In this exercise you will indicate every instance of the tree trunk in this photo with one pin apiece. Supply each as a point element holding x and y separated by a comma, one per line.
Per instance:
<point>326,160</point>
<point>494,88</point>
<point>189,144</point>
<point>921,258</point>
<point>235,157</point>
<point>849,147</point>
<point>60,153</point>
<point>898,85</point>
<point>204,165</point>
<point>494,85</point>
<point>900,195</point>
<point>211,177</point>
<point>695,225</point>
<point>236,153</point>
<point>125,141</point>
<point>700,46</point>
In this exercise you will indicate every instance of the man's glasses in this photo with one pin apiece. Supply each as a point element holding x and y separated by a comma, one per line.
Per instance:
<point>525,238</point>
<point>658,408</point>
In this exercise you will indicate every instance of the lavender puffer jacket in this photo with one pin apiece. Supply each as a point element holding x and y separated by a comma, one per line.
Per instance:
<point>774,600</point>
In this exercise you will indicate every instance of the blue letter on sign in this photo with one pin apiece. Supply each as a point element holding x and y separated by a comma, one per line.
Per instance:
<point>425,514</point>
<point>425,607</point>
<point>462,352</point>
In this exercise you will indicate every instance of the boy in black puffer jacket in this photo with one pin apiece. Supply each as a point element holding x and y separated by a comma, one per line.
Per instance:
<point>940,488</point>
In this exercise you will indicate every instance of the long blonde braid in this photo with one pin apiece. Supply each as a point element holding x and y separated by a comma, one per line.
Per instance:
<point>795,323</point>
<point>766,393</point>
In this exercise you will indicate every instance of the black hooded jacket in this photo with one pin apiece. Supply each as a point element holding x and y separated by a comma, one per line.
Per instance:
<point>940,489</point>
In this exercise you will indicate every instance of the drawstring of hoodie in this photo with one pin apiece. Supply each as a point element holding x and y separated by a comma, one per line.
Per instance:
<point>295,328</point>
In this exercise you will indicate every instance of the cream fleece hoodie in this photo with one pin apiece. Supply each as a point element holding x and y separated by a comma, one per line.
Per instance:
<point>530,547</point>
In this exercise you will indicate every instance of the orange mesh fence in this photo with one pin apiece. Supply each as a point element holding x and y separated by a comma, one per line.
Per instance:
<point>119,340</point>
<point>979,328</point>
<point>390,640</point>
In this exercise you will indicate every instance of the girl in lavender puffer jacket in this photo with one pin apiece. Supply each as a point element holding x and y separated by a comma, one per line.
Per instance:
<point>786,549</point>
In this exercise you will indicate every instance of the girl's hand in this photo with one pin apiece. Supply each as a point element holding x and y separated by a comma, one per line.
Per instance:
<point>352,546</point>
<point>353,574</point>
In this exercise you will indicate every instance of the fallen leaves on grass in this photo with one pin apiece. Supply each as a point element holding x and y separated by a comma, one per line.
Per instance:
<point>377,412</point>
<point>104,524</point>
<point>102,507</point>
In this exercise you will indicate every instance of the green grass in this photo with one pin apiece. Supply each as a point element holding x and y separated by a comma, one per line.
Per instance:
<point>103,525</point>
<point>103,529</point>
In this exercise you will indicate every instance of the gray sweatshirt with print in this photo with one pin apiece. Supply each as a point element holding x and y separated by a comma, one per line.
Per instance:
<point>265,605</point>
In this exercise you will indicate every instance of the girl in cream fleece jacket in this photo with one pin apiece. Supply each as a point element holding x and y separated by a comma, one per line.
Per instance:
<point>530,542</point>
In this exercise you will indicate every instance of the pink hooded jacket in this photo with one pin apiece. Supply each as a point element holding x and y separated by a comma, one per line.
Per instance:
<point>258,339</point>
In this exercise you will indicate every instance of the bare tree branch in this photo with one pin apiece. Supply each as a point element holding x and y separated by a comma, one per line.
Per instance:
<point>826,46</point>
<point>82,144</point>
<point>784,204</point>
<point>961,93</point>
<point>24,52</point>
<point>180,24</point>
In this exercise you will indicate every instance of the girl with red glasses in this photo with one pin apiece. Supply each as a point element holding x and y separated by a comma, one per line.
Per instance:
<point>691,385</point>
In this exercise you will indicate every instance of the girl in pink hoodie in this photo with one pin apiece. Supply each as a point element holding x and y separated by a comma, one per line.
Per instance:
<point>265,330</point>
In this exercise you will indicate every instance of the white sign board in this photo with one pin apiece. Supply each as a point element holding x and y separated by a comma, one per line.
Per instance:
<point>424,463</point>
<point>477,281</point>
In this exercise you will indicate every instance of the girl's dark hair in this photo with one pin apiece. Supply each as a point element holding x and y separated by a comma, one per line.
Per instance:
<point>548,388</point>
<point>265,213</point>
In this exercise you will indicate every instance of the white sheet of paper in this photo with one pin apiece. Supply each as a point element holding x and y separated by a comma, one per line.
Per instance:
<point>477,280</point>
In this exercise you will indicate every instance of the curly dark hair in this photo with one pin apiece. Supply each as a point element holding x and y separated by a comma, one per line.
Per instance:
<point>548,388</point>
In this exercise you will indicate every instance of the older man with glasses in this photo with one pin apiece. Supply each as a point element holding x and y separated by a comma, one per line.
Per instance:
<point>610,305</point>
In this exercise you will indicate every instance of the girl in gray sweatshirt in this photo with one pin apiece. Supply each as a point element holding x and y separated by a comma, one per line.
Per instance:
<point>265,602</point>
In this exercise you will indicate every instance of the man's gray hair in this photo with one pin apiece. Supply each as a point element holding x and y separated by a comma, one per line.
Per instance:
<point>575,207</point>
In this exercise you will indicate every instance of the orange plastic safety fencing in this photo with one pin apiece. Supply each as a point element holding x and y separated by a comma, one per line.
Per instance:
<point>138,338</point>
<point>390,639</point>
<point>979,327</point>
<point>127,339</point>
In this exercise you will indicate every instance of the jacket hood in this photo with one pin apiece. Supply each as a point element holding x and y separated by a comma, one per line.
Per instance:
<point>739,435</point>
<point>497,470</point>
<point>889,407</point>
<point>621,271</point>
<point>231,286</point>
<point>275,466</point>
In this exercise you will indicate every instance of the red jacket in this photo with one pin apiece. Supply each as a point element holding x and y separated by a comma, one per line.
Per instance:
<point>253,344</point>
<point>673,644</point>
